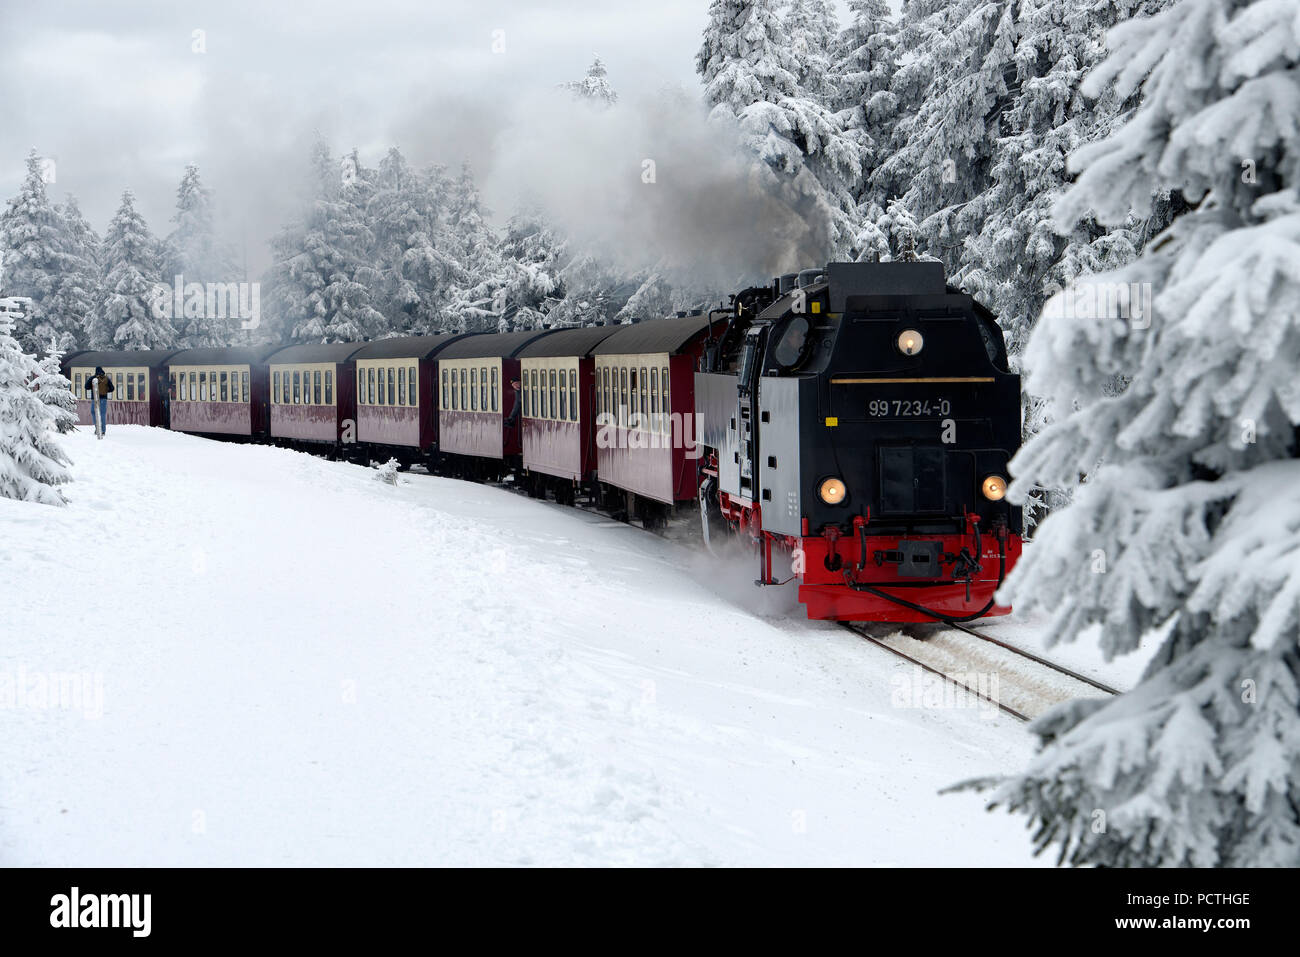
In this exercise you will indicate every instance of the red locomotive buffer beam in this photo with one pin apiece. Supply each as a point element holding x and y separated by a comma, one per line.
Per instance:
<point>836,583</point>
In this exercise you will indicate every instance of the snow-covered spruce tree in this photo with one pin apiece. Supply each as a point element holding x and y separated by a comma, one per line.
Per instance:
<point>865,60</point>
<point>53,388</point>
<point>813,30</point>
<point>29,249</point>
<point>1186,431</point>
<point>751,79</point>
<point>414,248</point>
<point>891,235</point>
<point>952,96</point>
<point>476,296</point>
<point>32,465</point>
<point>533,254</point>
<point>77,291</point>
<point>124,317</point>
<point>193,252</point>
<point>594,87</point>
<point>322,281</point>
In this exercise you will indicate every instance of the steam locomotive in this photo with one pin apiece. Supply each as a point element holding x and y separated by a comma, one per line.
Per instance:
<point>857,423</point>
<point>853,423</point>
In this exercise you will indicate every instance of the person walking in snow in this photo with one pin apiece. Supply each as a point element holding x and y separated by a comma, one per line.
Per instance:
<point>100,386</point>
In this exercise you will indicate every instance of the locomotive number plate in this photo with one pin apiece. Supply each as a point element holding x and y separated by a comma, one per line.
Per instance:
<point>908,408</point>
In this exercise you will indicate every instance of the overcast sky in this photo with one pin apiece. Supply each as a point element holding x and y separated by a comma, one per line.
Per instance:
<point>115,93</point>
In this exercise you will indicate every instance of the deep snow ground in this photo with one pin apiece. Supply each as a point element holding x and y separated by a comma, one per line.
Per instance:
<point>302,665</point>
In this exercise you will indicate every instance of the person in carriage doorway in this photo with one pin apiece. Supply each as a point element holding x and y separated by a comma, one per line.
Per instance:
<point>513,417</point>
<point>100,387</point>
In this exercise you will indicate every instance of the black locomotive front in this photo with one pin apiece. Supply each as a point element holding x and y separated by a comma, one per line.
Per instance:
<point>859,421</point>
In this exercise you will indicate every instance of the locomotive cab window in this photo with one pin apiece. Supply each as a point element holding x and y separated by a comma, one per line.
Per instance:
<point>792,344</point>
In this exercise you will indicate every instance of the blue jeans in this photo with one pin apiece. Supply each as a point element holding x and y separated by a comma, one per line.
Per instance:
<point>103,413</point>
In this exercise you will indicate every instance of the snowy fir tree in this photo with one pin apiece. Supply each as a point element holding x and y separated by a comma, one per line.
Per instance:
<point>476,297</point>
<point>193,252</point>
<point>414,247</point>
<point>866,58</point>
<point>32,465</point>
<point>594,87</point>
<point>30,240</point>
<point>752,79</point>
<point>532,254</point>
<point>125,317</point>
<point>952,97</point>
<point>53,388</point>
<point>1184,421</point>
<point>323,277</point>
<point>77,291</point>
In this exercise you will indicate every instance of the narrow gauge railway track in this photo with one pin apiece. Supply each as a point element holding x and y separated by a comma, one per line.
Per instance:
<point>1018,682</point>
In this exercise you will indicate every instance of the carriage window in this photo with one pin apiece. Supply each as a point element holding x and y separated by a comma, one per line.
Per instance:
<point>605,404</point>
<point>243,386</point>
<point>401,386</point>
<point>573,395</point>
<point>119,393</point>
<point>446,399</point>
<point>76,384</point>
<point>225,387</point>
<point>473,389</point>
<point>194,388</point>
<point>297,388</point>
<point>370,386</point>
<point>634,407</point>
<point>412,398</point>
<point>645,403</point>
<point>663,379</point>
<point>392,386</point>
<point>464,389</point>
<point>183,393</point>
<point>564,394</point>
<point>380,386</point>
<point>654,393</point>
<point>525,393</point>
<point>316,387</point>
<point>130,388</point>
<point>203,386</point>
<point>171,386</point>
<point>483,388</point>
<point>495,391</point>
<point>361,386</point>
<point>622,396</point>
<point>551,405</point>
<point>455,393</point>
<point>329,387</point>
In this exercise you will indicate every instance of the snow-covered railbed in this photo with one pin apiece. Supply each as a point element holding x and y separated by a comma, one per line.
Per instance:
<point>286,662</point>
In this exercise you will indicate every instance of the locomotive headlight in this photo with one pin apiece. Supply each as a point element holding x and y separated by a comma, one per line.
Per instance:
<point>832,491</point>
<point>994,487</point>
<point>910,342</point>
